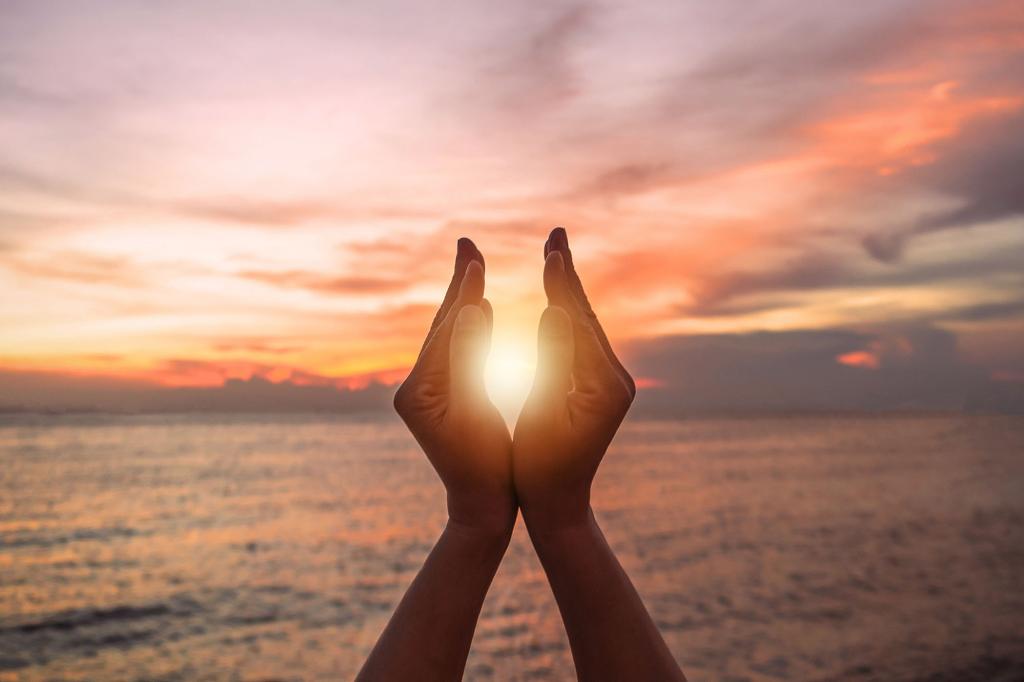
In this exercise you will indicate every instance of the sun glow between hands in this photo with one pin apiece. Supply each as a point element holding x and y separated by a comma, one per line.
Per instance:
<point>508,376</point>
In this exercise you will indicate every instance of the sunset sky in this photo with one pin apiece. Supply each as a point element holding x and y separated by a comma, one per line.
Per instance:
<point>771,203</point>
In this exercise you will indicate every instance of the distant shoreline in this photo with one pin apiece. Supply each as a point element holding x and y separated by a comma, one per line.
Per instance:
<point>656,415</point>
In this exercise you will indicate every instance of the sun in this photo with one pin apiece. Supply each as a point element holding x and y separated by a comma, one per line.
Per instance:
<point>509,375</point>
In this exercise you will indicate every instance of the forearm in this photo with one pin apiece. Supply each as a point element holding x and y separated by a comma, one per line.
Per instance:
<point>429,635</point>
<point>611,634</point>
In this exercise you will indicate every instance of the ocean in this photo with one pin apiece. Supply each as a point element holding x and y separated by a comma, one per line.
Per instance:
<point>274,547</point>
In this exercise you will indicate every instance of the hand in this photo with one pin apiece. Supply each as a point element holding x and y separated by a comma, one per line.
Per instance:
<point>445,405</point>
<point>580,395</point>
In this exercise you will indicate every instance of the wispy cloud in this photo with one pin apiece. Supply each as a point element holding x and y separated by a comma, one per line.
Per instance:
<point>76,267</point>
<point>352,285</point>
<point>531,71</point>
<point>282,198</point>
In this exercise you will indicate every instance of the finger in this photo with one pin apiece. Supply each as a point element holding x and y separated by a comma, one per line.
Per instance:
<point>470,292</point>
<point>555,354</point>
<point>468,352</point>
<point>592,370</point>
<point>485,305</point>
<point>556,286</point>
<point>465,252</point>
<point>558,240</point>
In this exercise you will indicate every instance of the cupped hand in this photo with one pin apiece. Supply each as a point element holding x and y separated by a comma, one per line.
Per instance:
<point>445,405</point>
<point>580,395</point>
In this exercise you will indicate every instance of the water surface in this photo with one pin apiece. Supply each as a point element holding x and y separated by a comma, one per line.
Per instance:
<point>275,547</point>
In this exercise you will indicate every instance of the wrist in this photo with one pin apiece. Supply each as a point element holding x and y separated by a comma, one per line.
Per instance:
<point>553,519</point>
<point>489,517</point>
<point>558,534</point>
<point>488,536</point>
<point>554,508</point>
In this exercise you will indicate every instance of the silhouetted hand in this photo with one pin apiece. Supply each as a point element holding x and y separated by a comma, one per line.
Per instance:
<point>445,405</point>
<point>580,395</point>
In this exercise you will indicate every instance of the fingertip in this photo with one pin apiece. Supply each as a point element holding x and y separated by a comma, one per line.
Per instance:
<point>475,271</point>
<point>555,278</point>
<point>488,311</point>
<point>558,237</point>
<point>470,319</point>
<point>560,242</point>
<point>555,352</point>
<point>467,350</point>
<point>472,288</point>
<point>466,251</point>
<point>462,258</point>
<point>554,263</point>
<point>549,243</point>
<point>555,323</point>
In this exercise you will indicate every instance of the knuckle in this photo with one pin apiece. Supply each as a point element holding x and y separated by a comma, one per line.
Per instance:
<point>624,398</point>
<point>625,401</point>
<point>630,385</point>
<point>617,396</point>
<point>403,398</point>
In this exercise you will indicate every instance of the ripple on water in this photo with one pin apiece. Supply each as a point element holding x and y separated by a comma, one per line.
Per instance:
<point>205,547</point>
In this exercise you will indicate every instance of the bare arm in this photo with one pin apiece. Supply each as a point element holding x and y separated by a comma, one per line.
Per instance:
<point>581,394</point>
<point>429,634</point>
<point>444,404</point>
<point>611,635</point>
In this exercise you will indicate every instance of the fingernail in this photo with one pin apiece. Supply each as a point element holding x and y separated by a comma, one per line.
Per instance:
<point>559,237</point>
<point>470,318</point>
<point>555,323</point>
<point>556,257</point>
<point>473,265</point>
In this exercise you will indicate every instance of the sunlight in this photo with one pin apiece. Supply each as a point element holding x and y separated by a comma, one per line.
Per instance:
<point>508,376</point>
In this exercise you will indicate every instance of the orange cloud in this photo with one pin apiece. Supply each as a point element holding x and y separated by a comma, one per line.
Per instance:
<point>860,358</point>
<point>351,285</point>
<point>899,130</point>
<point>741,184</point>
<point>206,373</point>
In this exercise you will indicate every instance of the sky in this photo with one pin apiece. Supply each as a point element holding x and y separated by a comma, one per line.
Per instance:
<point>772,204</point>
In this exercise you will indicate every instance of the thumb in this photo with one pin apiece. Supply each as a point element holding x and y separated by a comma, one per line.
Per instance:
<point>555,351</point>
<point>468,351</point>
